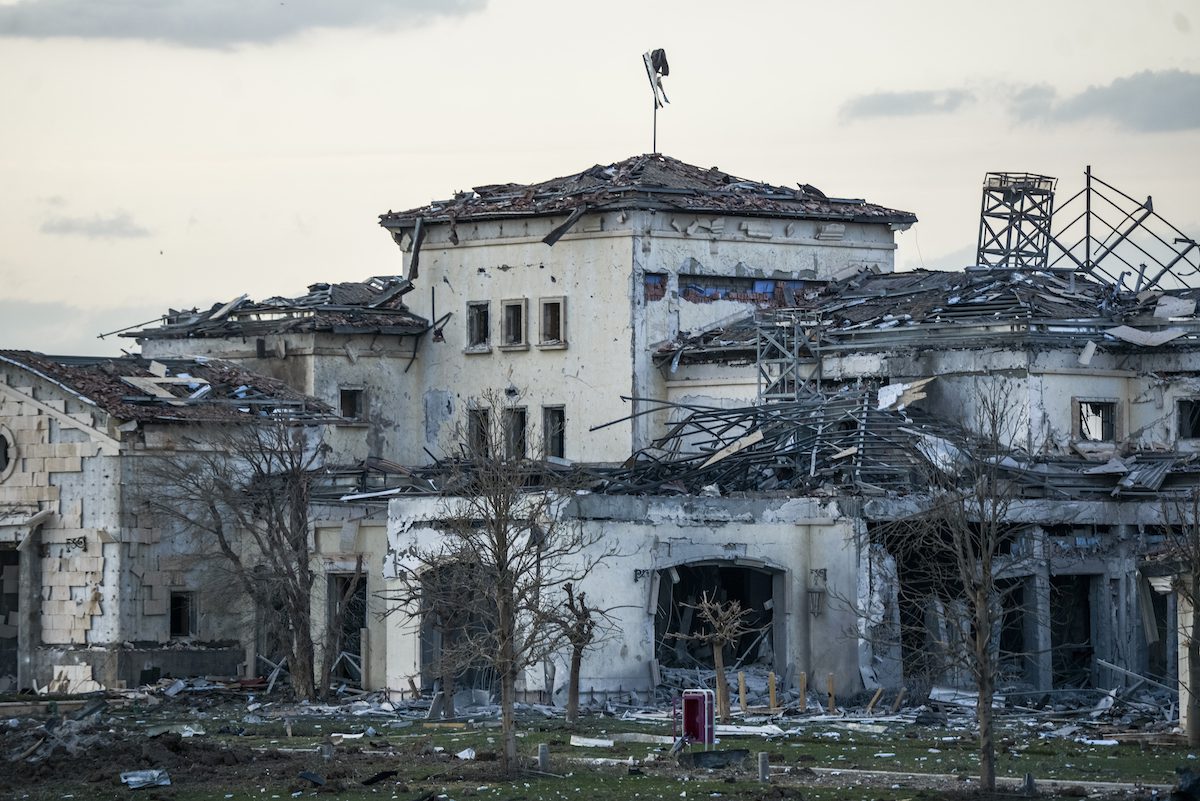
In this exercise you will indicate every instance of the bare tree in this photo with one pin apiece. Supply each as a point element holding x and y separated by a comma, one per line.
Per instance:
<point>503,524</point>
<point>1181,554</point>
<point>726,622</point>
<point>958,551</point>
<point>244,489</point>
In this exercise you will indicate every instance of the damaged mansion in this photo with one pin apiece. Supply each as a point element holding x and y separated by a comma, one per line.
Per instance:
<point>749,403</point>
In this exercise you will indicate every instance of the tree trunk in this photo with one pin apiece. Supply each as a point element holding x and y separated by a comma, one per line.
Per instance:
<point>508,723</point>
<point>301,665</point>
<point>986,684</point>
<point>722,685</point>
<point>573,684</point>
<point>448,711</point>
<point>1193,673</point>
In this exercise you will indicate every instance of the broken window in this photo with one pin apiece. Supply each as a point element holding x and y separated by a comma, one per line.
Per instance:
<point>514,433</point>
<point>1096,420</point>
<point>680,587</point>
<point>348,617</point>
<point>477,432</point>
<point>352,403</point>
<point>10,608</point>
<point>478,325</point>
<point>4,452</point>
<point>554,427</point>
<point>1189,419</point>
<point>183,614</point>
<point>514,323</point>
<point>762,291</point>
<point>553,322</point>
<point>655,286</point>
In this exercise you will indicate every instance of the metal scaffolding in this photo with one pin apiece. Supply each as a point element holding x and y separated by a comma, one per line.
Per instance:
<point>1014,220</point>
<point>788,345</point>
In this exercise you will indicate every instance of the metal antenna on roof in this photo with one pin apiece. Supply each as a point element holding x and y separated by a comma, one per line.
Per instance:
<point>656,70</point>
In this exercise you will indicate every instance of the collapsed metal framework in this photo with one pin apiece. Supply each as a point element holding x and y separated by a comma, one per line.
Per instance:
<point>1099,231</point>
<point>787,344</point>
<point>1014,220</point>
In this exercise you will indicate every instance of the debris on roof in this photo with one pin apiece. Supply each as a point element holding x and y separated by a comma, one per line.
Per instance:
<point>374,306</point>
<point>926,308</point>
<point>170,390</point>
<point>650,181</point>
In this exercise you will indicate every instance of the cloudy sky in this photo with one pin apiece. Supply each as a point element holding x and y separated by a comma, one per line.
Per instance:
<point>158,153</point>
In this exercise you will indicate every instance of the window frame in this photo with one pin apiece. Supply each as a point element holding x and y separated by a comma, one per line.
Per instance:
<point>360,395</point>
<point>478,433</point>
<point>1077,408</point>
<point>548,437</point>
<point>512,436</point>
<point>1195,402</point>
<point>544,342</point>
<point>483,345</point>
<point>11,453</point>
<point>522,307</point>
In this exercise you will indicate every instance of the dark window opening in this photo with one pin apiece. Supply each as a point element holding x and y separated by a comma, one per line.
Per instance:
<point>478,322</point>
<point>1189,420</point>
<point>347,619</point>
<point>3,453</point>
<point>10,607</point>
<point>514,433</point>
<point>352,404</point>
<point>183,614</point>
<point>682,586</point>
<point>1071,645</point>
<point>554,427</point>
<point>514,322</point>
<point>478,436</point>
<point>553,329</point>
<point>1097,420</point>
<point>454,612</point>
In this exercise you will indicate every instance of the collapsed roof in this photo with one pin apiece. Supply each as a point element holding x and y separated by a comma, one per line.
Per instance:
<point>373,306</point>
<point>924,308</point>
<point>650,181</point>
<point>169,390</point>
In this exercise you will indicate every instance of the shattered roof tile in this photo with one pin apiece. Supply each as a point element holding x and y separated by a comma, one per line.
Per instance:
<point>169,390</point>
<point>359,307</point>
<point>649,181</point>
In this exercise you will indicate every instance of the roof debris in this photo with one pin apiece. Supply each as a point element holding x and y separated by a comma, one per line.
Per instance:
<point>374,306</point>
<point>650,181</point>
<point>170,390</point>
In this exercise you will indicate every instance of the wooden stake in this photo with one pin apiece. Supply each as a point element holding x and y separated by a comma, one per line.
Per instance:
<point>803,691</point>
<point>771,690</point>
<point>832,700</point>
<point>899,699</point>
<point>742,690</point>
<point>874,701</point>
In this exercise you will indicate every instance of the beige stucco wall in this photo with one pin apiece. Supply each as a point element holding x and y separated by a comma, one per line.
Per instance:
<point>599,268</point>
<point>646,535</point>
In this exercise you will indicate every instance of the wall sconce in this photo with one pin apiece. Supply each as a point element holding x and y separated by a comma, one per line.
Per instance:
<point>816,591</point>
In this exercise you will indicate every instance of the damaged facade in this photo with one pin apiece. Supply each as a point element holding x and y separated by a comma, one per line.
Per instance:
<point>95,592</point>
<point>750,395</point>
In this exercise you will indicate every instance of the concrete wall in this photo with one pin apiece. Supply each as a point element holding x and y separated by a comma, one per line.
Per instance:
<point>321,364</point>
<point>599,267</point>
<point>790,537</point>
<point>95,574</point>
